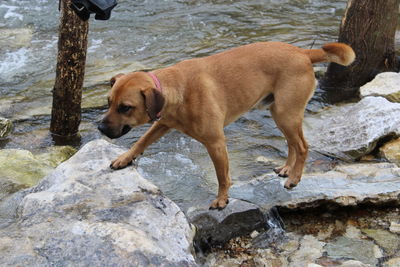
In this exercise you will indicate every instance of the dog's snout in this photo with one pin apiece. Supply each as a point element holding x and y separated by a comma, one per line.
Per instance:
<point>102,127</point>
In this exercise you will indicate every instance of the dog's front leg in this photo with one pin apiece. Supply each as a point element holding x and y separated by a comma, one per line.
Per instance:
<point>219,155</point>
<point>155,132</point>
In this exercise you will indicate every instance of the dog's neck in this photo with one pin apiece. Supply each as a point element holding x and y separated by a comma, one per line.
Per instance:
<point>156,81</point>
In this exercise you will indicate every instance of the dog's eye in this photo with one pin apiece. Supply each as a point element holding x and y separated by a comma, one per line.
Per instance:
<point>124,108</point>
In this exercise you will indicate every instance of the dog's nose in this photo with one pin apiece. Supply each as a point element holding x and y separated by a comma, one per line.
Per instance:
<point>102,128</point>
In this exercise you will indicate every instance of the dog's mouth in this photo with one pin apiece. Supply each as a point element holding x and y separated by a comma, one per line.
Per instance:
<point>125,129</point>
<point>110,133</point>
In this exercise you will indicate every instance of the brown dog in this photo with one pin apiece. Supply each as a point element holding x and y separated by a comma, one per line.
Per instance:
<point>200,96</point>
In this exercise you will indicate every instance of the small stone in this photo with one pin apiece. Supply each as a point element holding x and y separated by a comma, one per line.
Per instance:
<point>254,234</point>
<point>378,252</point>
<point>310,250</point>
<point>394,227</point>
<point>391,151</point>
<point>352,232</point>
<point>5,127</point>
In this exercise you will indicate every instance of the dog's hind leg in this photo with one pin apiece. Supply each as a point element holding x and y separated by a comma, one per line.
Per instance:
<point>288,112</point>
<point>291,127</point>
<point>284,171</point>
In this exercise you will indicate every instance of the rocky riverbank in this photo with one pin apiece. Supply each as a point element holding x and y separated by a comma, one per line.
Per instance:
<point>342,214</point>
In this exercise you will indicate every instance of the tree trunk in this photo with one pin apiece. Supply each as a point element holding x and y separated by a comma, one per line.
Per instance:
<point>70,70</point>
<point>369,27</point>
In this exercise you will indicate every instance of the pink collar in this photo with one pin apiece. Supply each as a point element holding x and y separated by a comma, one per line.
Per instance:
<point>156,81</point>
<point>158,87</point>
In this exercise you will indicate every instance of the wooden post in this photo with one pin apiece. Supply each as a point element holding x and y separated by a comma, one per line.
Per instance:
<point>70,70</point>
<point>369,27</point>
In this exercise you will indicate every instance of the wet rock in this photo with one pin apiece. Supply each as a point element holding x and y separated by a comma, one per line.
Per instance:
<point>391,151</point>
<point>395,262</point>
<point>350,131</point>
<point>215,227</point>
<point>345,185</point>
<point>21,169</point>
<point>5,127</point>
<point>83,213</point>
<point>385,84</point>
<point>388,241</point>
<point>350,248</point>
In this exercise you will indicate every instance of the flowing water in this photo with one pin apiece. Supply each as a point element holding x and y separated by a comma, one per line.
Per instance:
<point>151,34</point>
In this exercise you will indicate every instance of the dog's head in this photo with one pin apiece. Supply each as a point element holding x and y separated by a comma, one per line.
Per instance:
<point>132,101</point>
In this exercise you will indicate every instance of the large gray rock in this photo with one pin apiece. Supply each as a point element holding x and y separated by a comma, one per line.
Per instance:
<point>350,131</point>
<point>386,84</point>
<point>85,214</point>
<point>346,185</point>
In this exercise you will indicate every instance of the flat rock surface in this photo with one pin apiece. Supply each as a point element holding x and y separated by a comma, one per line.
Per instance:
<point>351,131</point>
<point>345,185</point>
<point>83,214</point>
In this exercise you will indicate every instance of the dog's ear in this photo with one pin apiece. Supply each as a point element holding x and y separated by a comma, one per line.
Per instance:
<point>115,78</point>
<point>154,102</point>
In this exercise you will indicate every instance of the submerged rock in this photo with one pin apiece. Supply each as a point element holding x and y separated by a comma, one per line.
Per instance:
<point>386,84</point>
<point>5,127</point>
<point>349,248</point>
<point>388,241</point>
<point>350,131</point>
<point>15,38</point>
<point>345,185</point>
<point>21,169</point>
<point>83,214</point>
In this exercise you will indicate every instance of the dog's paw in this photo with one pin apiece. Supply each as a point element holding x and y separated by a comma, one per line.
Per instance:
<point>121,162</point>
<point>291,183</point>
<point>283,171</point>
<point>219,203</point>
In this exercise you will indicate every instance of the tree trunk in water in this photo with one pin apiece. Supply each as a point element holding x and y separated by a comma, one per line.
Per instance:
<point>369,27</point>
<point>70,70</point>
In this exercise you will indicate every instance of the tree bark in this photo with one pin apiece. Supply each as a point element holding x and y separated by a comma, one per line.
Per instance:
<point>369,27</point>
<point>70,71</point>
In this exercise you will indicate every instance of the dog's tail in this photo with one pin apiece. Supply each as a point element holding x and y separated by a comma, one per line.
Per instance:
<point>333,52</point>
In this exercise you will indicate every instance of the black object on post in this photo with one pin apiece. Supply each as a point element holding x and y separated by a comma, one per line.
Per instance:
<point>102,8</point>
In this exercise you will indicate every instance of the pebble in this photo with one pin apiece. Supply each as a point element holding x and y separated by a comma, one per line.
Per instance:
<point>394,227</point>
<point>254,234</point>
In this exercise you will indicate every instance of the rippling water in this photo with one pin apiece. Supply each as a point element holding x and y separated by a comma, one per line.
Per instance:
<point>151,34</point>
